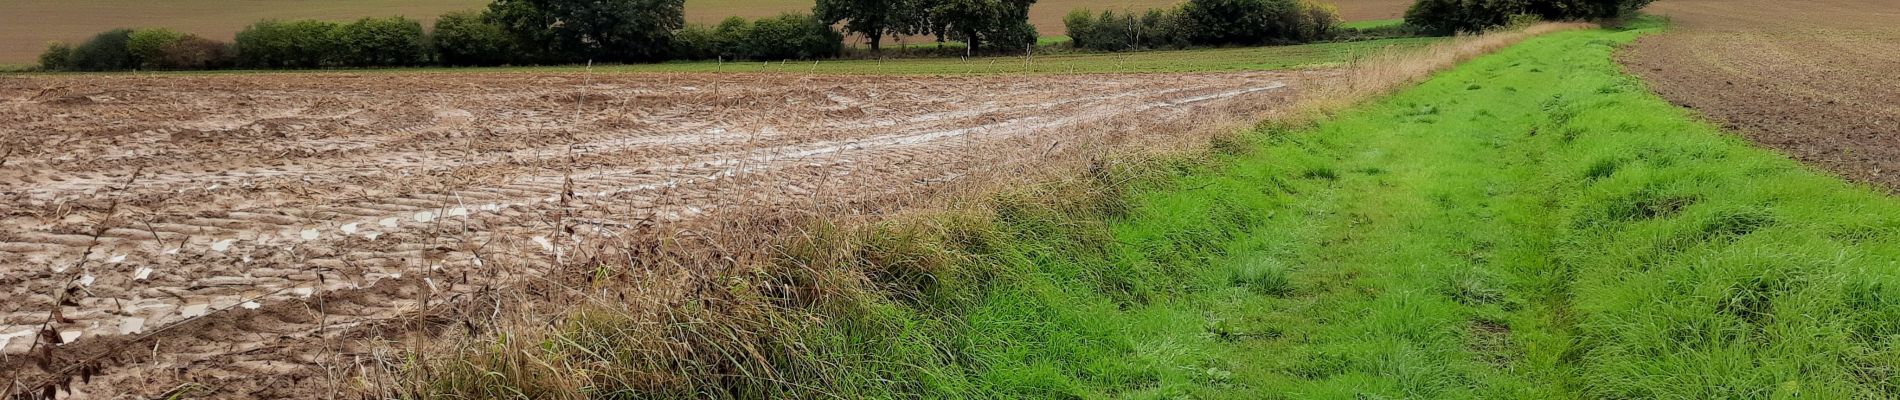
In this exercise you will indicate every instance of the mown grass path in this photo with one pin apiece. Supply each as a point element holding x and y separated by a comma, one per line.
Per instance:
<point>1534,224</point>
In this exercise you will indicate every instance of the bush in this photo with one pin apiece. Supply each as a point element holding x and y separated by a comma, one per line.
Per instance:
<point>1013,36</point>
<point>732,39</point>
<point>292,44</point>
<point>376,42</point>
<point>1162,28</point>
<point>1445,17</point>
<point>194,53</point>
<point>57,57</point>
<point>1108,31</point>
<point>1254,22</point>
<point>1318,21</point>
<point>581,30</point>
<point>1111,31</point>
<point>470,38</point>
<point>1205,22</point>
<point>124,49</point>
<point>695,42</point>
<point>793,36</point>
<point>147,45</point>
<point>105,52</point>
<point>1079,23</point>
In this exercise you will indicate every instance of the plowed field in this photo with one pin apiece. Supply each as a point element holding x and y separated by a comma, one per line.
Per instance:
<point>1816,79</point>
<point>191,228</point>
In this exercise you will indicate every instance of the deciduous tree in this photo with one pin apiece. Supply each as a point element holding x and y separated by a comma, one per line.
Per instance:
<point>871,18</point>
<point>608,30</point>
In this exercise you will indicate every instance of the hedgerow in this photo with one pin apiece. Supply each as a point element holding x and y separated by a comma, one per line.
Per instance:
<point>1444,17</point>
<point>1204,23</point>
<point>471,38</point>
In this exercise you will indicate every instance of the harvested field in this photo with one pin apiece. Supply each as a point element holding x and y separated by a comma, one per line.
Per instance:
<point>198,226</point>
<point>1816,79</point>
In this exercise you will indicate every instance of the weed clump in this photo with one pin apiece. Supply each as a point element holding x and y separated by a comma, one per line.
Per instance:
<point>1263,275</point>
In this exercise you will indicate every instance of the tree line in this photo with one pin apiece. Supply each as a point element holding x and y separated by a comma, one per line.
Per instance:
<point>543,32</point>
<point>540,32</point>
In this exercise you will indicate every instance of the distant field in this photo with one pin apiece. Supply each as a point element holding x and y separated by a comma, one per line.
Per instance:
<point>1819,80</point>
<point>27,25</point>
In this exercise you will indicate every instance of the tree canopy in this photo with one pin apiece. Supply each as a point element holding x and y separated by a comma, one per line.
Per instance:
<point>604,30</point>
<point>871,18</point>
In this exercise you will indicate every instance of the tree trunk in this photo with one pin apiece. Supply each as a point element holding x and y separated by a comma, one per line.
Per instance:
<point>877,40</point>
<point>969,35</point>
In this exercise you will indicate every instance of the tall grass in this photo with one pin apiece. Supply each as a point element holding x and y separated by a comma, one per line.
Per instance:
<point>1033,291</point>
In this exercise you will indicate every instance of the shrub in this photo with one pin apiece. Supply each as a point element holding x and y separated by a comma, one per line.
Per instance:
<point>1108,31</point>
<point>606,30</point>
<point>371,42</point>
<point>1205,22</point>
<point>1079,23</point>
<point>1253,22</point>
<point>292,44</point>
<point>731,40</point>
<point>1444,17</point>
<point>147,45</point>
<point>1111,31</point>
<point>1318,21</point>
<point>57,57</point>
<point>105,52</point>
<point>465,38</point>
<point>793,36</point>
<point>1162,28</point>
<point>191,52</point>
<point>1013,35</point>
<point>695,42</point>
<point>125,49</point>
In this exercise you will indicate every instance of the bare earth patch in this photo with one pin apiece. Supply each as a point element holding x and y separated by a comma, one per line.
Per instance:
<point>203,229</point>
<point>1817,79</point>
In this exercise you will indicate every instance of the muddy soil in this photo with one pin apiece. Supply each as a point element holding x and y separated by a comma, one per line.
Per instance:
<point>189,229</point>
<point>1817,79</point>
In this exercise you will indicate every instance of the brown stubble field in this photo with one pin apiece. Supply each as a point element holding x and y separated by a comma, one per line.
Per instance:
<point>1816,79</point>
<point>228,227</point>
<point>27,25</point>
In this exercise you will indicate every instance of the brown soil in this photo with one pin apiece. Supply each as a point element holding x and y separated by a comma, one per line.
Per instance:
<point>1817,79</point>
<point>177,231</point>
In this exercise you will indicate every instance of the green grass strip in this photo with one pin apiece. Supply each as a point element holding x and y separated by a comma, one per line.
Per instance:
<point>1373,24</point>
<point>1534,224</point>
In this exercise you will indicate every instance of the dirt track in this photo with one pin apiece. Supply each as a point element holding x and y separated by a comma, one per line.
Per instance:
<point>208,213</point>
<point>1817,79</point>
